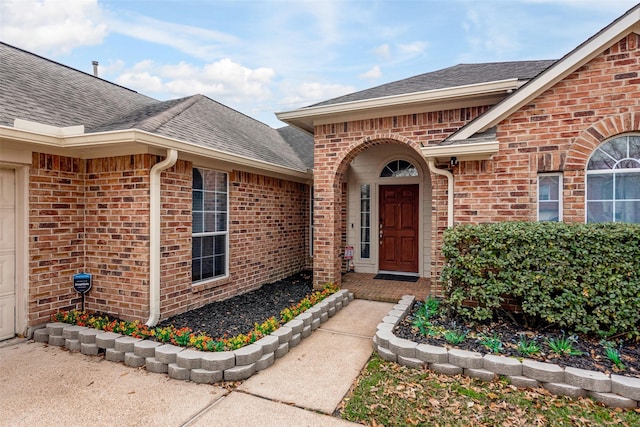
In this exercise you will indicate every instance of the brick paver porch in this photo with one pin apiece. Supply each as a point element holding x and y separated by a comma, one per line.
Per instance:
<point>364,286</point>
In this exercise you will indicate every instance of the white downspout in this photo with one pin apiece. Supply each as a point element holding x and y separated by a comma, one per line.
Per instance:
<point>154,235</point>
<point>449,175</point>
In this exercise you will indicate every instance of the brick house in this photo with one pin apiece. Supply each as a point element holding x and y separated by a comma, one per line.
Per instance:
<point>174,204</point>
<point>169,205</point>
<point>395,165</point>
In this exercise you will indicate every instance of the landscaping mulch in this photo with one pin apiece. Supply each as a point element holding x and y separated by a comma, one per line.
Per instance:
<point>592,352</point>
<point>238,314</point>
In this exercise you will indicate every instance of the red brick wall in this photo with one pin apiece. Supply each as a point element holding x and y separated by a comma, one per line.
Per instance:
<point>93,216</point>
<point>56,210</point>
<point>558,131</point>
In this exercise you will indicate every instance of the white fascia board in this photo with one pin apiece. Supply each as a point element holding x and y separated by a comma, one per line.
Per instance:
<point>558,71</point>
<point>308,114</point>
<point>476,151</point>
<point>91,141</point>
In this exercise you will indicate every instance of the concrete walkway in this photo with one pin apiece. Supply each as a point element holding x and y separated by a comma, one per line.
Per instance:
<point>42,385</point>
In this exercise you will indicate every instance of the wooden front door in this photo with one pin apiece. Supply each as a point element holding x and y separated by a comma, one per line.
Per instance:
<point>398,228</point>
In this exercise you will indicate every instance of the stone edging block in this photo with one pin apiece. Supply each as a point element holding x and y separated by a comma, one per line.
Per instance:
<point>614,390</point>
<point>194,365</point>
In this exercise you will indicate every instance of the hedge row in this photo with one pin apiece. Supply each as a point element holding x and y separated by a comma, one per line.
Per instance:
<point>581,277</point>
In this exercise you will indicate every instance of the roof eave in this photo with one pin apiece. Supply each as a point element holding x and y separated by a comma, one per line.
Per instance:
<point>81,144</point>
<point>306,118</point>
<point>630,22</point>
<point>475,151</point>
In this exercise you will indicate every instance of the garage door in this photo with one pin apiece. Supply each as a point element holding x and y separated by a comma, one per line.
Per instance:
<point>7,254</point>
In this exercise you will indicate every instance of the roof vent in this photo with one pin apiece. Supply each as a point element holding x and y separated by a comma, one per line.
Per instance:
<point>95,68</point>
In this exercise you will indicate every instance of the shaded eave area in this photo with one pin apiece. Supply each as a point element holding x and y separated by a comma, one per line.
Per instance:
<point>72,141</point>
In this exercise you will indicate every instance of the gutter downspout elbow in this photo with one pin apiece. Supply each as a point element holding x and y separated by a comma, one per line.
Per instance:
<point>154,234</point>
<point>432,167</point>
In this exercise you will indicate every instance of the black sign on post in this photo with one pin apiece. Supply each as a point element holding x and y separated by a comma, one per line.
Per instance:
<point>82,282</point>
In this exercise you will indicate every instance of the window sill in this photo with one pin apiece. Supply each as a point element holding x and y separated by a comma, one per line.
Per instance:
<point>210,284</point>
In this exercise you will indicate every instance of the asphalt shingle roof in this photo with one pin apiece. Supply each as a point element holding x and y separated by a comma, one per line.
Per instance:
<point>457,75</point>
<point>37,89</point>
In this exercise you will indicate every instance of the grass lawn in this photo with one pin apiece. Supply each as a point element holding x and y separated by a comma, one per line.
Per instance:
<point>392,395</point>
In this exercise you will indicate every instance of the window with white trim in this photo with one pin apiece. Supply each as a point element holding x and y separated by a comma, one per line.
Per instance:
<point>210,247</point>
<point>397,168</point>
<point>550,197</point>
<point>365,221</point>
<point>613,181</point>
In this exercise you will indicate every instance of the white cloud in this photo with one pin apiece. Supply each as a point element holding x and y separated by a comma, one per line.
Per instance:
<point>310,93</point>
<point>224,80</point>
<point>412,49</point>
<point>373,74</point>
<point>383,51</point>
<point>52,26</point>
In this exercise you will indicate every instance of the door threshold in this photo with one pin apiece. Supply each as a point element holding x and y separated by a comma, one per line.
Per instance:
<point>398,273</point>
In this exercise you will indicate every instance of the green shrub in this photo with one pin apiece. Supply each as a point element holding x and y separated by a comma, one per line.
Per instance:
<point>582,277</point>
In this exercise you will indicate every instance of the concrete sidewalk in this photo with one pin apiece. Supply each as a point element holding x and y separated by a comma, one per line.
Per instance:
<point>43,385</point>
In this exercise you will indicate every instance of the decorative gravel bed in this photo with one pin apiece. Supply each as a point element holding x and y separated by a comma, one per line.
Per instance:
<point>592,355</point>
<point>238,314</point>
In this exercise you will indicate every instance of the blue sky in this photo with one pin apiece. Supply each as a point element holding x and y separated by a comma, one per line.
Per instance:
<point>262,57</point>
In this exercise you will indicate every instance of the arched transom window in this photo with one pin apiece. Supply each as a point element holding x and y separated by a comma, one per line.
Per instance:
<point>613,181</point>
<point>397,168</point>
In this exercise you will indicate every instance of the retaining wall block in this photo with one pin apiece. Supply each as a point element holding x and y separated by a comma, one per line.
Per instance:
<point>613,400</point>
<point>248,354</point>
<point>408,298</point>
<point>626,386</point>
<point>393,320</point>
<point>351,296</point>
<point>57,340</point>
<point>482,374</point>
<point>385,327</point>
<point>383,338</point>
<point>338,305</point>
<point>283,333</point>
<point>323,306</point>
<point>411,362</point>
<point>295,325</point>
<point>265,361</point>
<point>295,340</point>
<point>89,349</point>
<point>269,343</point>
<point>315,324</point>
<point>72,345</point>
<point>152,364</point>
<point>88,336</point>
<point>306,331</point>
<point>178,373</point>
<point>71,332</point>
<point>306,318</point>
<point>445,368</point>
<point>523,382</point>
<point>565,390</point>
<point>282,350</point>
<point>502,365</point>
<point>314,312</point>
<point>202,376</point>
<point>166,353</point>
<point>387,354</point>
<point>432,353</point>
<point>403,347</point>
<point>542,371</point>
<point>113,355</point>
<point>133,360</point>
<point>324,317</point>
<point>239,373</point>
<point>107,339</point>
<point>41,335</point>
<point>397,313</point>
<point>126,344</point>
<point>189,359</point>
<point>56,328</point>
<point>466,359</point>
<point>218,360</point>
<point>146,348</point>
<point>588,380</point>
